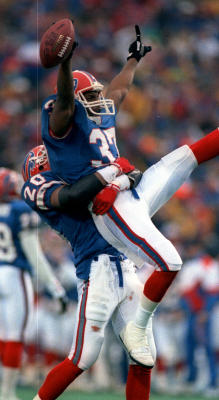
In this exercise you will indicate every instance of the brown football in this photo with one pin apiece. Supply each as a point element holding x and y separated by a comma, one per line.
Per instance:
<point>56,43</point>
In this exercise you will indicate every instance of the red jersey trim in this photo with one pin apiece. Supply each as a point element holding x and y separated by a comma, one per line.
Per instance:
<point>52,134</point>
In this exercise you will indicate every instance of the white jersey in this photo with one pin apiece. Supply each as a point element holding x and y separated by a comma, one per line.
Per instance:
<point>202,271</point>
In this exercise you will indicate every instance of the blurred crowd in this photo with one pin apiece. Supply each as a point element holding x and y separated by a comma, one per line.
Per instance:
<point>174,99</point>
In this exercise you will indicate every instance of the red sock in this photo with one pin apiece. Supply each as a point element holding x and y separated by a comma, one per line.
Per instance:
<point>2,345</point>
<point>206,148</point>
<point>12,355</point>
<point>160,365</point>
<point>58,379</point>
<point>157,284</point>
<point>138,383</point>
<point>31,351</point>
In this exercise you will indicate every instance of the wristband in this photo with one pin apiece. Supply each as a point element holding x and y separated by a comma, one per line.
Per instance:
<point>122,182</point>
<point>109,173</point>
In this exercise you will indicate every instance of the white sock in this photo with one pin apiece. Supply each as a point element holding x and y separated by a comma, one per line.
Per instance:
<point>144,311</point>
<point>9,382</point>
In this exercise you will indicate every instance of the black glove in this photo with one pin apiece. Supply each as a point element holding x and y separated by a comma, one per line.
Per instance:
<point>64,302</point>
<point>136,49</point>
<point>134,177</point>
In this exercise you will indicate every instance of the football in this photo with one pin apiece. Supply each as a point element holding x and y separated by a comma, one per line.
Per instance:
<point>56,43</point>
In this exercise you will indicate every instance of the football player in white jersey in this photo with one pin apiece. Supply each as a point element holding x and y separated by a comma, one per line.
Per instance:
<point>20,257</point>
<point>198,286</point>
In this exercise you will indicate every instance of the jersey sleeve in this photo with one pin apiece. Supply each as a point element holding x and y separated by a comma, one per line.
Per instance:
<point>47,108</point>
<point>37,191</point>
<point>79,120</point>
<point>80,117</point>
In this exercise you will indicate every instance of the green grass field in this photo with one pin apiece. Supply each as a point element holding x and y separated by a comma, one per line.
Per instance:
<point>27,394</point>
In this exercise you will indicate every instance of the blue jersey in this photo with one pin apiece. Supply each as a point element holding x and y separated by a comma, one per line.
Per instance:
<point>79,230</point>
<point>86,146</point>
<point>15,217</point>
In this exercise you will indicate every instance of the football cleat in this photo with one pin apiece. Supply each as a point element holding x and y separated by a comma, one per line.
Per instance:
<point>36,161</point>
<point>137,344</point>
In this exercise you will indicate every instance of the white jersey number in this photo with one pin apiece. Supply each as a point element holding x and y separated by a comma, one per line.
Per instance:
<point>7,249</point>
<point>98,134</point>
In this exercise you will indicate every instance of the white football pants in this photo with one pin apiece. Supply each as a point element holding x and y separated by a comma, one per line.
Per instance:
<point>16,303</point>
<point>127,225</point>
<point>112,292</point>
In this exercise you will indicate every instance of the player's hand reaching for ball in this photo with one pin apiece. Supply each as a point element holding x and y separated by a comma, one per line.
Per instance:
<point>58,43</point>
<point>136,49</point>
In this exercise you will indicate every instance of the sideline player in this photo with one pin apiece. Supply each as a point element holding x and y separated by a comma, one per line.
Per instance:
<point>84,126</point>
<point>108,287</point>
<point>20,251</point>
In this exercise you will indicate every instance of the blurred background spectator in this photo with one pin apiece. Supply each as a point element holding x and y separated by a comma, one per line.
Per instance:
<point>174,100</point>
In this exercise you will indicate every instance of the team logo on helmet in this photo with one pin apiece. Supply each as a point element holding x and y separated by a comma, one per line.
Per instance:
<point>75,83</point>
<point>29,165</point>
<point>36,161</point>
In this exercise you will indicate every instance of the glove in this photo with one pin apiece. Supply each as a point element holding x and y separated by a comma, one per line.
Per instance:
<point>134,177</point>
<point>104,200</point>
<point>63,302</point>
<point>136,49</point>
<point>124,165</point>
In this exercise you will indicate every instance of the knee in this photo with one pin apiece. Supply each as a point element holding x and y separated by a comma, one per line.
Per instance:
<point>97,309</point>
<point>174,261</point>
<point>91,352</point>
<point>175,267</point>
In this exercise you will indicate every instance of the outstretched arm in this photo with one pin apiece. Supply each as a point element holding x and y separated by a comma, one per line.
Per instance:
<point>120,85</point>
<point>63,111</point>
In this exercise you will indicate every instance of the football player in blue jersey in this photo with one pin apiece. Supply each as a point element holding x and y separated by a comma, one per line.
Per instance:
<point>20,252</point>
<point>108,287</point>
<point>78,122</point>
<point>78,129</point>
